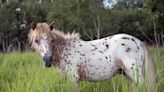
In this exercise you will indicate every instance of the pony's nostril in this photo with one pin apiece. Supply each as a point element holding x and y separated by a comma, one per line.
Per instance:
<point>48,65</point>
<point>47,58</point>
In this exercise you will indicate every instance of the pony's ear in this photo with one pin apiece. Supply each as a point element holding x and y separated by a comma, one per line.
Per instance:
<point>33,26</point>
<point>51,26</point>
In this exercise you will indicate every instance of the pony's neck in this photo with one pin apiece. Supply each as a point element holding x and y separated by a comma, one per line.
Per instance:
<point>60,43</point>
<point>58,47</point>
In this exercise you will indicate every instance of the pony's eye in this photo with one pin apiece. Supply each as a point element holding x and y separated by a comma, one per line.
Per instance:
<point>52,41</point>
<point>36,41</point>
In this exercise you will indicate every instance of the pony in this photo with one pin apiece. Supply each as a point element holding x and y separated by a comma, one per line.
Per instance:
<point>95,60</point>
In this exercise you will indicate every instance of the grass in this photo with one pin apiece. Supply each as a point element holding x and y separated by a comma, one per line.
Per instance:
<point>25,72</point>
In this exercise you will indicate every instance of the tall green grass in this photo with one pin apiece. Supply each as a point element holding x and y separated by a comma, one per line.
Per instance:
<point>25,72</point>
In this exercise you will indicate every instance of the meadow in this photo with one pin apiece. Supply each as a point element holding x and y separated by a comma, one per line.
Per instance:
<point>25,72</point>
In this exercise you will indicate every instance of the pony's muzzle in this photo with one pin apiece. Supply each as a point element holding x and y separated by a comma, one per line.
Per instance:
<point>47,60</point>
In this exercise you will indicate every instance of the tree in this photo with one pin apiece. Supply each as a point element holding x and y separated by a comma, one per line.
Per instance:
<point>17,17</point>
<point>80,15</point>
<point>143,19</point>
<point>156,9</point>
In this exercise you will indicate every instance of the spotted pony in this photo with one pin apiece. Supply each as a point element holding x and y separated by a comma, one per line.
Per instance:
<point>95,60</point>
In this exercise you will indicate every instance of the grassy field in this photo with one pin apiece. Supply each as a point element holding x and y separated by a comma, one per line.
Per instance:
<point>25,72</point>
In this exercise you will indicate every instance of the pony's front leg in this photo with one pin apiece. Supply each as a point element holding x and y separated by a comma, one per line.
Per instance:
<point>76,83</point>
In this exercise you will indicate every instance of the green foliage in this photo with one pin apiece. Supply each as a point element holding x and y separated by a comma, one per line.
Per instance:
<point>129,21</point>
<point>16,18</point>
<point>22,72</point>
<point>75,15</point>
<point>25,72</point>
<point>87,17</point>
<point>156,15</point>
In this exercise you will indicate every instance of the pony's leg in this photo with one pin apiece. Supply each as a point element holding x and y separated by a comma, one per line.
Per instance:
<point>76,83</point>
<point>76,86</point>
<point>129,80</point>
<point>136,75</point>
<point>134,71</point>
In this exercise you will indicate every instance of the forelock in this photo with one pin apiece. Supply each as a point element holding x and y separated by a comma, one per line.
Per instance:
<point>42,29</point>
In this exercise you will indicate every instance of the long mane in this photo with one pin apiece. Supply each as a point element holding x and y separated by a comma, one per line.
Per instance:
<point>43,29</point>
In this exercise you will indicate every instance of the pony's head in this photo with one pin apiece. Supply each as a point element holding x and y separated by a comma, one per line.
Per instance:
<point>41,40</point>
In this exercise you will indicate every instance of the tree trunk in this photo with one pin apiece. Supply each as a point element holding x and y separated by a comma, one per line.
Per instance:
<point>3,46</point>
<point>155,36</point>
<point>162,37</point>
<point>9,48</point>
<point>85,33</point>
<point>158,39</point>
<point>19,47</point>
<point>149,39</point>
<point>96,22</point>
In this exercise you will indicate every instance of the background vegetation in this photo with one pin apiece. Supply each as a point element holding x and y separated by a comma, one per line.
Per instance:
<point>141,18</point>
<point>25,72</point>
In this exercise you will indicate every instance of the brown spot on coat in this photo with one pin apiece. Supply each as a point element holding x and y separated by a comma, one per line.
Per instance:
<point>141,57</point>
<point>107,46</point>
<point>123,44</point>
<point>100,59</point>
<point>101,52</point>
<point>82,54</point>
<point>135,43</point>
<point>128,49</point>
<point>125,38</point>
<point>81,72</point>
<point>132,39</point>
<point>110,58</point>
<point>95,48</point>
<point>120,65</point>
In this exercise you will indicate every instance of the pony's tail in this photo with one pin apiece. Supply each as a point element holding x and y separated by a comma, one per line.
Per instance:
<point>149,68</point>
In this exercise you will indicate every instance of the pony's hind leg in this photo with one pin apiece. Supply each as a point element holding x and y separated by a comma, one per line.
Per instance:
<point>135,74</point>
<point>133,70</point>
